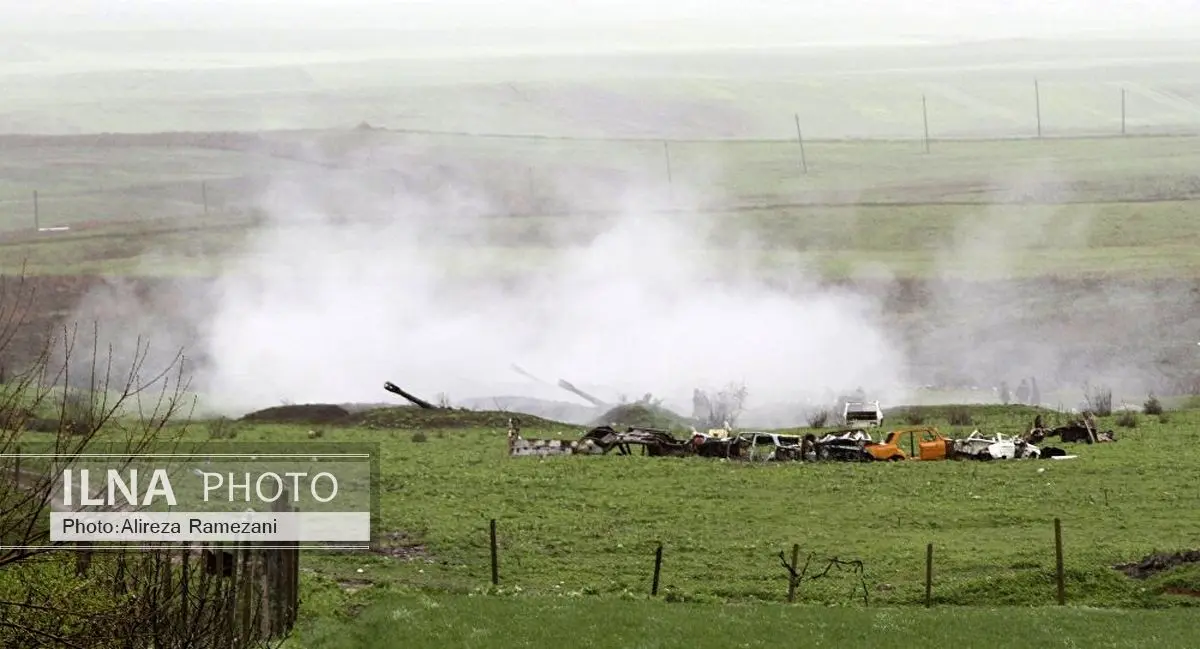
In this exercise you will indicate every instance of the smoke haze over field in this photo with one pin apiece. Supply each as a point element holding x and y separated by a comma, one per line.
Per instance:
<point>326,311</point>
<point>347,286</point>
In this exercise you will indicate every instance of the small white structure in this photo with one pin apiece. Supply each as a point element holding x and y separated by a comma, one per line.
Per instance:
<point>862,414</point>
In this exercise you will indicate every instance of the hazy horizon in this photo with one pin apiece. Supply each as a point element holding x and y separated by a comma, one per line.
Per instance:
<point>589,25</point>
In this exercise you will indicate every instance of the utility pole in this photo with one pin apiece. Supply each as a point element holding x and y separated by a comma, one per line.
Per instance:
<point>1037,104</point>
<point>800,139</point>
<point>925,118</point>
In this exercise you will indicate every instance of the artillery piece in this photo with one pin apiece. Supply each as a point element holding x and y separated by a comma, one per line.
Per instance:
<point>562,383</point>
<point>416,401</point>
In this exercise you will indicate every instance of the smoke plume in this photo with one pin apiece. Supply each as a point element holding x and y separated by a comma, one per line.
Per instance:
<point>345,287</point>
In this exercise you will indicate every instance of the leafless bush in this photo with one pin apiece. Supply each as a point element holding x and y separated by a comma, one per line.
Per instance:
<point>818,419</point>
<point>222,428</point>
<point>1099,400</point>
<point>724,406</point>
<point>80,400</point>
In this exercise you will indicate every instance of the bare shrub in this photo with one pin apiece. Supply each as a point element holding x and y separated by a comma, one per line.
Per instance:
<point>1152,406</point>
<point>222,428</point>
<point>724,406</point>
<point>1127,419</point>
<point>818,419</point>
<point>80,401</point>
<point>1099,400</point>
<point>960,416</point>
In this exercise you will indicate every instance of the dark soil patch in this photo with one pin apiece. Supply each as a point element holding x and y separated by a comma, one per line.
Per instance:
<point>311,413</point>
<point>1156,563</point>
<point>412,417</point>
<point>399,545</point>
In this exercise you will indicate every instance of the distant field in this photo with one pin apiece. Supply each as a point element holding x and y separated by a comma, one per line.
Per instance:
<point>1120,205</point>
<point>970,91</point>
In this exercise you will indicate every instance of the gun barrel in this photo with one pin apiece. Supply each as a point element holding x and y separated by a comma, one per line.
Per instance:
<point>417,401</point>
<point>583,395</point>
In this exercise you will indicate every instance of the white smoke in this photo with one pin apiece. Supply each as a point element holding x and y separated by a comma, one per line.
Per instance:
<point>342,290</point>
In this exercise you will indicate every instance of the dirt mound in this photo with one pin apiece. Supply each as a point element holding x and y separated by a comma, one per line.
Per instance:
<point>641,414</point>
<point>1156,563</point>
<point>309,413</point>
<point>418,418</point>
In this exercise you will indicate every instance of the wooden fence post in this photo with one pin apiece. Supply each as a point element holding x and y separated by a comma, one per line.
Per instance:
<point>793,582</point>
<point>495,557</point>
<point>657,570</point>
<point>245,595</point>
<point>184,579</point>
<point>1058,563</point>
<point>929,575</point>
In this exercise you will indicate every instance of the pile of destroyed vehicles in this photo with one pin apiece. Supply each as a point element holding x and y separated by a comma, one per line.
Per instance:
<point>848,445</point>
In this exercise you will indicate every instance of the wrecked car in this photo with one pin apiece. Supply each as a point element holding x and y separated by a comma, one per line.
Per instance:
<point>768,447</point>
<point>848,446</point>
<point>931,445</point>
<point>996,447</point>
<point>654,441</point>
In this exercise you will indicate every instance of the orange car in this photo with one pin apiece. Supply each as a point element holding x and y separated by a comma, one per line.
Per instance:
<point>930,446</point>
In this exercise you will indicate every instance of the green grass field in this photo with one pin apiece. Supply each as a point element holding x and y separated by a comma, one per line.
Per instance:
<point>589,525</point>
<point>441,621</point>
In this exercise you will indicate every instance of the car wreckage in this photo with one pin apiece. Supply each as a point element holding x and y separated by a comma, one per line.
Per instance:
<point>923,443</point>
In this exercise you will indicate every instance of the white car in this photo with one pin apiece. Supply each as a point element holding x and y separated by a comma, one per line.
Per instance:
<point>996,447</point>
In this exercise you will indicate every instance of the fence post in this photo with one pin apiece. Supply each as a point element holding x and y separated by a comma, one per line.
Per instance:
<point>1058,561</point>
<point>495,558</point>
<point>184,579</point>
<point>245,594</point>
<point>929,575</point>
<point>793,582</point>
<point>657,570</point>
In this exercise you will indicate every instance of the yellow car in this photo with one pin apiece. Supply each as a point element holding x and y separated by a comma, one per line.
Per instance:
<point>924,442</point>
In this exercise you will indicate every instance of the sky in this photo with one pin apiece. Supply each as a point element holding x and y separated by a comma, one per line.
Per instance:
<point>740,21</point>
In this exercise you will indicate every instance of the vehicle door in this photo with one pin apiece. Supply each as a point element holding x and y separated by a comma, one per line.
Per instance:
<point>932,446</point>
